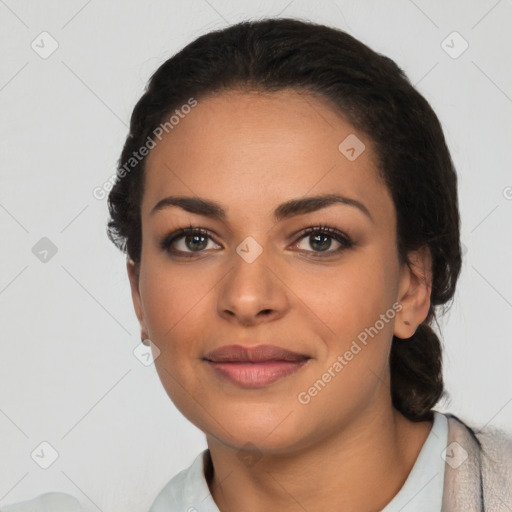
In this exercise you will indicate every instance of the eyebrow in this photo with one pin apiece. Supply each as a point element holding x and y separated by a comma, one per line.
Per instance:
<point>291,208</point>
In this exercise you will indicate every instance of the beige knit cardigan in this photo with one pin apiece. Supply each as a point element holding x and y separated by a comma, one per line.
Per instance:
<point>483,481</point>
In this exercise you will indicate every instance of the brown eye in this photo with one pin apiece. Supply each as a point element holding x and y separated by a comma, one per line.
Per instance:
<point>320,238</point>
<point>187,241</point>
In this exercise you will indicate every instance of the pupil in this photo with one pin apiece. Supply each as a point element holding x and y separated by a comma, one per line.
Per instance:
<point>195,238</point>
<point>322,247</point>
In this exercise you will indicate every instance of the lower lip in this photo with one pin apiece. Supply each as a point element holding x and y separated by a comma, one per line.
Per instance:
<point>255,375</point>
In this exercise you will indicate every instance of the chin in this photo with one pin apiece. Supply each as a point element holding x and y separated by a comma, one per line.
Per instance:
<point>274,431</point>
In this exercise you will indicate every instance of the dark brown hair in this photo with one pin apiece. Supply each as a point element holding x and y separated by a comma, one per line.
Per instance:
<point>374,94</point>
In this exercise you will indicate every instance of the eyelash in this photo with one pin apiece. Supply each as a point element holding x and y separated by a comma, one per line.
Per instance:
<point>339,236</point>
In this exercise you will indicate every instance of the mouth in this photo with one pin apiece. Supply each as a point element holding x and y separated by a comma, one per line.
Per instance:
<point>254,367</point>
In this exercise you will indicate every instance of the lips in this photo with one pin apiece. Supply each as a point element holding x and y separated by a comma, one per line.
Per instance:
<point>257,354</point>
<point>254,367</point>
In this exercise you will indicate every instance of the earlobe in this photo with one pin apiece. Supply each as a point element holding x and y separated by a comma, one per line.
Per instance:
<point>133,274</point>
<point>414,293</point>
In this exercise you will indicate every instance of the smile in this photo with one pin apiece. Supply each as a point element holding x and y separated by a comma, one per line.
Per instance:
<point>254,367</point>
<point>255,375</point>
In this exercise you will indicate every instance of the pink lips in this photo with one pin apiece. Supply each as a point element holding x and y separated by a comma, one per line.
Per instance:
<point>257,366</point>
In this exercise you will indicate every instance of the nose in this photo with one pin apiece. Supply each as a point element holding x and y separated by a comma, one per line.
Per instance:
<point>253,292</point>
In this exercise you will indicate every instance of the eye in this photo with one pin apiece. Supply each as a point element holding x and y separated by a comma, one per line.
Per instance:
<point>193,240</point>
<point>187,241</point>
<point>320,239</point>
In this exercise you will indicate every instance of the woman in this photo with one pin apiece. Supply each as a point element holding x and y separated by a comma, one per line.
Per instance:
<point>289,210</point>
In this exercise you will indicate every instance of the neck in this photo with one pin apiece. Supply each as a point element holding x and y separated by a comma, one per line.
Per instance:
<point>362,467</point>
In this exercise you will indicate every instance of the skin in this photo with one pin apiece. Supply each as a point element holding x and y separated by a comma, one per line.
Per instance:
<point>348,448</point>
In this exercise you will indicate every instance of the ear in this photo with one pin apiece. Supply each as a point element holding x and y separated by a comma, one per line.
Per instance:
<point>133,274</point>
<point>414,292</point>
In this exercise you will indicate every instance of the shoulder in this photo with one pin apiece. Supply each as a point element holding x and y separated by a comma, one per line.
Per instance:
<point>496,451</point>
<point>186,490</point>
<point>47,502</point>
<point>485,454</point>
<point>171,493</point>
<point>494,444</point>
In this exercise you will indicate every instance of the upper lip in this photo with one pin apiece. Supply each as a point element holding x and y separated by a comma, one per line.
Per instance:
<point>258,353</point>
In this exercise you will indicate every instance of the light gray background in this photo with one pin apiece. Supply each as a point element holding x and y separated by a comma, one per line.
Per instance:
<point>68,372</point>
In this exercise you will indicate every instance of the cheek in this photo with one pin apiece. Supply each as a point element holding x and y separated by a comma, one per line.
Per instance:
<point>347,299</point>
<point>172,299</point>
<point>354,303</point>
<point>174,307</point>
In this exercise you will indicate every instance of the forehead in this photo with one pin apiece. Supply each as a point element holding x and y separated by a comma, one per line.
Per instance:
<point>260,149</point>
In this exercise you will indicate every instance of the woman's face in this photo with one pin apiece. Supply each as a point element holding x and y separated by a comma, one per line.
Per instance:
<point>255,279</point>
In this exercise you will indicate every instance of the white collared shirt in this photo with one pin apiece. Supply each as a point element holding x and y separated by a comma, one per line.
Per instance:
<point>47,502</point>
<point>422,491</point>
